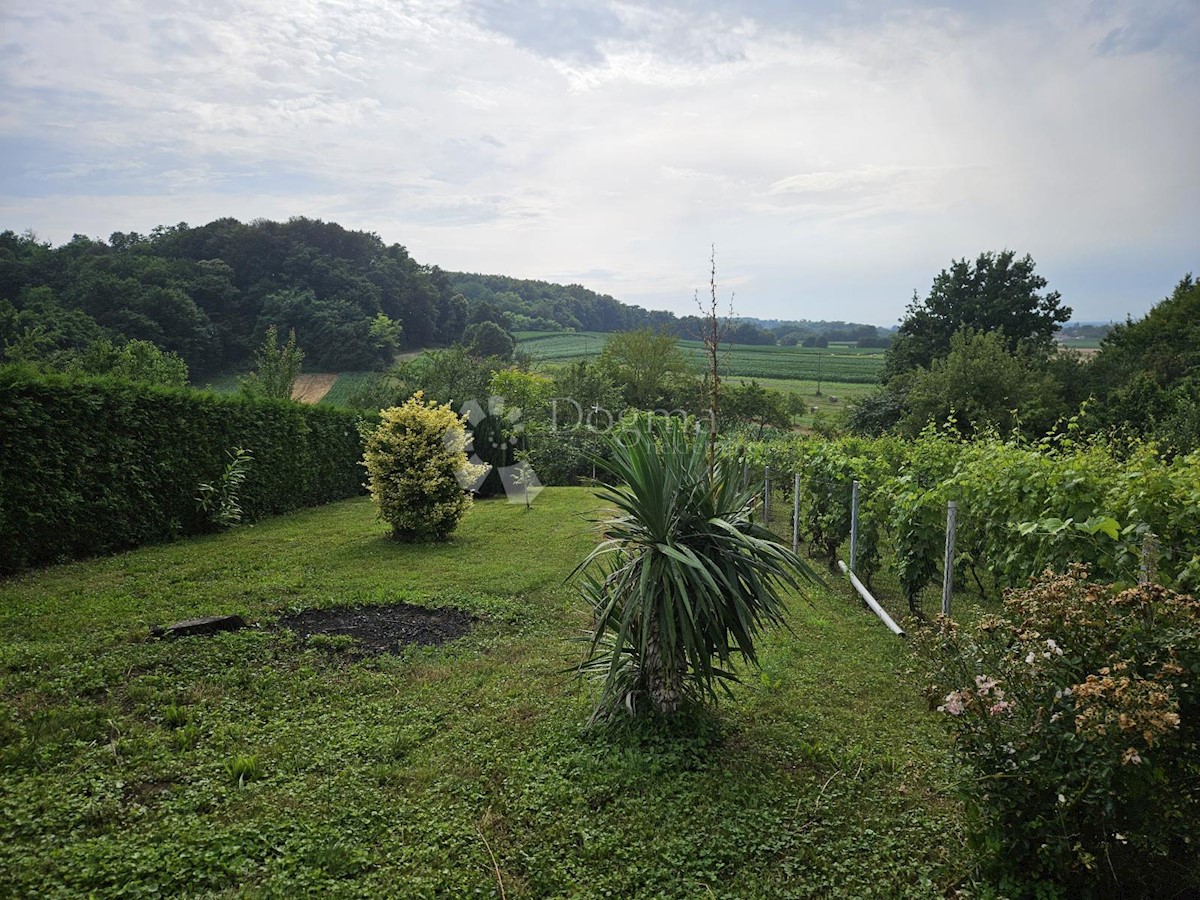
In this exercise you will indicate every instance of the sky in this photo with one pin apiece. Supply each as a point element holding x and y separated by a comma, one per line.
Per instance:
<point>836,154</point>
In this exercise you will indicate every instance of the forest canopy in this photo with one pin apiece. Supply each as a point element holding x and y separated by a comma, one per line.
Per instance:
<point>209,293</point>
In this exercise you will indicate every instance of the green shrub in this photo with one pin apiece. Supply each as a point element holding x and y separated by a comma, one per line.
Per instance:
<point>277,368</point>
<point>218,500</point>
<point>417,469</point>
<point>93,466</point>
<point>1077,717</point>
<point>685,577</point>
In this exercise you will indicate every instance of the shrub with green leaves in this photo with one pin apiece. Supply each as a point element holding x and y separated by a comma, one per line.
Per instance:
<point>1076,715</point>
<point>685,578</point>
<point>276,368</point>
<point>218,500</point>
<point>417,468</point>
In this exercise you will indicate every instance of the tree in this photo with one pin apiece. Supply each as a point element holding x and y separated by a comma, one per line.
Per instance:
<point>980,384</point>
<point>277,368</point>
<point>489,339</point>
<point>685,578</point>
<point>648,366</point>
<point>583,383</point>
<point>385,336</point>
<point>416,465</point>
<point>528,393</point>
<point>143,362</point>
<point>1146,377</point>
<point>489,312</point>
<point>881,411</point>
<point>754,405</point>
<point>995,293</point>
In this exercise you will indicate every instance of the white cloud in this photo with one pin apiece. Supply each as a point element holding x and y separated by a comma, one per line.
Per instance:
<point>843,164</point>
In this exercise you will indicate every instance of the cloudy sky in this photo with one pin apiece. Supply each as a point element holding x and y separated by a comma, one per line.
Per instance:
<point>838,154</point>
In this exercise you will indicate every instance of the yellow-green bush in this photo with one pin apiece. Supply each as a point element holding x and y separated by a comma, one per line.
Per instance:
<point>417,469</point>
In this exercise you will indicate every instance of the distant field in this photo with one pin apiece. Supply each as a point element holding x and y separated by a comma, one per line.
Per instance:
<point>837,363</point>
<point>310,388</point>
<point>1086,346</point>
<point>347,384</point>
<point>222,384</point>
<point>559,346</point>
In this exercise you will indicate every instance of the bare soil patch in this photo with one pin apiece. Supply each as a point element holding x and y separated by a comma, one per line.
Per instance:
<point>312,388</point>
<point>383,629</point>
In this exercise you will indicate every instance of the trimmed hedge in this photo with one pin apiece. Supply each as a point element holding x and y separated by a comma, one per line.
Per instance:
<point>96,466</point>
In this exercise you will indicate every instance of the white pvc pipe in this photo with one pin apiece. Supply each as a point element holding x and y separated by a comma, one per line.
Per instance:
<point>871,602</point>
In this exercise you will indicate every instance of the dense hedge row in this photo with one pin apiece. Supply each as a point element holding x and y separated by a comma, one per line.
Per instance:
<point>89,467</point>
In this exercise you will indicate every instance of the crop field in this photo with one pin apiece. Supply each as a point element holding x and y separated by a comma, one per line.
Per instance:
<point>835,391</point>
<point>844,364</point>
<point>347,384</point>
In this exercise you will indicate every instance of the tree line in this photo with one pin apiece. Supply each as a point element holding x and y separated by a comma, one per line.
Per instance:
<point>208,294</point>
<point>980,352</point>
<point>530,305</point>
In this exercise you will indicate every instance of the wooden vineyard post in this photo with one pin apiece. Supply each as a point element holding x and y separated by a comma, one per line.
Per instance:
<point>948,571</point>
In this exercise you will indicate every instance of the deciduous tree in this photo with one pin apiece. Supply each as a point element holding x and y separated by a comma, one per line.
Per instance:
<point>649,367</point>
<point>276,368</point>
<point>997,292</point>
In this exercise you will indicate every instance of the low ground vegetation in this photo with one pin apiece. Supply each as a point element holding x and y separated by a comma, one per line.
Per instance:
<point>260,762</point>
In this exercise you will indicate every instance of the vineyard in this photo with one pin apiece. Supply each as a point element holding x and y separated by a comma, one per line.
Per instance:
<point>1022,508</point>
<point>839,364</point>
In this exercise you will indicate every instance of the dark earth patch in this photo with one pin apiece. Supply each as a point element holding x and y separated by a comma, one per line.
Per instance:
<point>383,629</point>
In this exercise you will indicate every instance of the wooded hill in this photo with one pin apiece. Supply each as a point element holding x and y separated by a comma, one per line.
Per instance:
<point>208,293</point>
<point>544,306</point>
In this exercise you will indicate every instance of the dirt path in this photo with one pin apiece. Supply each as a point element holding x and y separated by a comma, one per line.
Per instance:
<point>311,388</point>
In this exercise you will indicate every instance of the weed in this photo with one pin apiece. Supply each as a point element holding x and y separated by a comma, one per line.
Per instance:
<point>243,768</point>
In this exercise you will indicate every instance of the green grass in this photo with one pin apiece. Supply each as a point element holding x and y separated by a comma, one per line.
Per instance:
<point>832,364</point>
<point>222,384</point>
<point>254,764</point>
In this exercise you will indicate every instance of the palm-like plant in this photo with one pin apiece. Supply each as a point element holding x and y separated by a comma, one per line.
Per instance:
<point>684,579</point>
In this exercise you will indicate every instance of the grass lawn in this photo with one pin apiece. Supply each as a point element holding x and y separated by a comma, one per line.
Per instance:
<point>456,771</point>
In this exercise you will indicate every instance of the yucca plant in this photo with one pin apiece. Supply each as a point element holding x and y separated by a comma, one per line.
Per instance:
<point>685,577</point>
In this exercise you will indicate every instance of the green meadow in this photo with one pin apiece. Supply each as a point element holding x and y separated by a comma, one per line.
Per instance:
<point>258,763</point>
